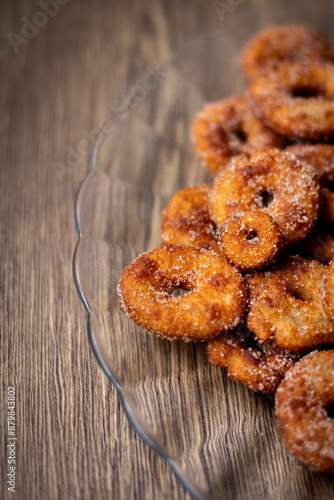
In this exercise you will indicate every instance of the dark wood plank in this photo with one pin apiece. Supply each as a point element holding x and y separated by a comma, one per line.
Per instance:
<point>73,439</point>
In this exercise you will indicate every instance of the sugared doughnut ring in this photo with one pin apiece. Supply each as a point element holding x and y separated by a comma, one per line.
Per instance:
<point>296,100</point>
<point>279,44</point>
<point>318,243</point>
<point>287,307</point>
<point>329,290</point>
<point>187,220</point>
<point>321,158</point>
<point>227,128</point>
<point>304,409</point>
<point>215,301</point>
<point>250,240</point>
<point>272,182</point>
<point>249,361</point>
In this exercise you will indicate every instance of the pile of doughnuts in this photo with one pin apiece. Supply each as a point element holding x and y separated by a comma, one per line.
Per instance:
<point>246,263</point>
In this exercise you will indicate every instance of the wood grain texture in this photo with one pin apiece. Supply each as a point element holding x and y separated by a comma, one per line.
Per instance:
<point>73,438</point>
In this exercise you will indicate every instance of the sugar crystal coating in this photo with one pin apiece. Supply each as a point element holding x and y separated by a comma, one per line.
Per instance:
<point>288,305</point>
<point>303,402</point>
<point>215,301</point>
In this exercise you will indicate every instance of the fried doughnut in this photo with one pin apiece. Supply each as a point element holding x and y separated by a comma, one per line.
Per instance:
<point>281,44</point>
<point>287,307</point>
<point>318,243</point>
<point>296,100</point>
<point>272,182</point>
<point>186,219</point>
<point>329,290</point>
<point>215,301</point>
<point>321,158</point>
<point>224,129</point>
<point>258,365</point>
<point>304,409</point>
<point>250,240</point>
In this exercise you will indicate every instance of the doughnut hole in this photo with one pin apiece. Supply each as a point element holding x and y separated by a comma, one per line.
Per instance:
<point>252,236</point>
<point>179,291</point>
<point>264,199</point>
<point>307,91</point>
<point>330,409</point>
<point>241,135</point>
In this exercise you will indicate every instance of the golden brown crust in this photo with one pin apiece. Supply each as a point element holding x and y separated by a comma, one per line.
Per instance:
<point>258,365</point>
<point>187,220</point>
<point>250,240</point>
<point>266,197</point>
<point>215,301</point>
<point>321,158</point>
<point>227,128</point>
<point>296,100</point>
<point>272,182</point>
<point>279,44</point>
<point>304,400</point>
<point>287,305</point>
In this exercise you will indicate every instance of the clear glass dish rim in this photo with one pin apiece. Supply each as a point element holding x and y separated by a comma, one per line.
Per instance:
<point>79,199</point>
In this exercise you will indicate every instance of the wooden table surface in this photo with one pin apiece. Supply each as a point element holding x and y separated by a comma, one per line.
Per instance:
<point>61,69</point>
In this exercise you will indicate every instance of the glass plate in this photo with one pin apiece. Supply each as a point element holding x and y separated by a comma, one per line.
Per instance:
<point>220,438</point>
